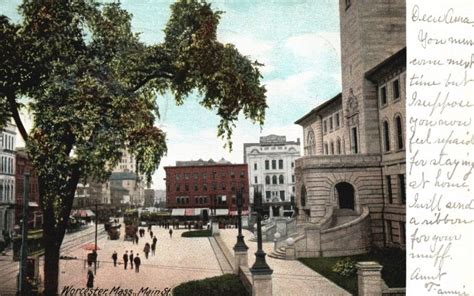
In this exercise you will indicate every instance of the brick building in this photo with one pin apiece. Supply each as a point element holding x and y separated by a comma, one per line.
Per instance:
<point>24,165</point>
<point>206,184</point>
<point>7,179</point>
<point>350,184</point>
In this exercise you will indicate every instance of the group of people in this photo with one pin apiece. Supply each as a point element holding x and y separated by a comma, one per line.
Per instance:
<point>135,261</point>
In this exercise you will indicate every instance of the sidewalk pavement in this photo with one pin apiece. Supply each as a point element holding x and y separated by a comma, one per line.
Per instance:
<point>290,277</point>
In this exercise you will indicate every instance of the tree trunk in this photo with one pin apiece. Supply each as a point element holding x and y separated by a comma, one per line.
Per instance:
<point>51,261</point>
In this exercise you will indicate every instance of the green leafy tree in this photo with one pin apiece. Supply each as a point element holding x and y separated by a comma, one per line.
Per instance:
<point>90,85</point>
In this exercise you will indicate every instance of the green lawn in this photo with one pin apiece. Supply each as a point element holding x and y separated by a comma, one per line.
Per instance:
<point>227,284</point>
<point>392,260</point>
<point>197,233</point>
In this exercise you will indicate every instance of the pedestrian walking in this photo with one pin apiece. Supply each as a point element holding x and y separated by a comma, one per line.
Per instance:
<point>114,257</point>
<point>131,259</point>
<point>137,263</point>
<point>125,259</point>
<point>136,239</point>
<point>90,279</point>
<point>171,233</point>
<point>151,234</point>
<point>155,240</point>
<point>153,248</point>
<point>146,250</point>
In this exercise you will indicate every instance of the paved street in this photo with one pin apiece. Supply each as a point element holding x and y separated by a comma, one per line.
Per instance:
<point>177,260</point>
<point>289,277</point>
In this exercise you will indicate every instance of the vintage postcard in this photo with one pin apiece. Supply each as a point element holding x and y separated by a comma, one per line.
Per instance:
<point>236,147</point>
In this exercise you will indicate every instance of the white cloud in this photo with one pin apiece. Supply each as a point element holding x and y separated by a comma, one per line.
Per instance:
<point>257,49</point>
<point>296,86</point>
<point>314,45</point>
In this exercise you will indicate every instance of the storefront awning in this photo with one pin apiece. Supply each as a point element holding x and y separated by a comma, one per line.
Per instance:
<point>82,213</point>
<point>222,212</point>
<point>177,212</point>
<point>244,213</point>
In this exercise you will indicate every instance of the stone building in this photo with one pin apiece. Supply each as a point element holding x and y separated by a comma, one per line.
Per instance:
<point>126,188</point>
<point>271,164</point>
<point>206,185</point>
<point>350,183</point>
<point>7,179</point>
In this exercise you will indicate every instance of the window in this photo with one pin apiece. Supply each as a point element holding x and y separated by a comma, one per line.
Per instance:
<point>293,178</point>
<point>354,141</point>
<point>195,176</point>
<point>398,123</point>
<point>186,187</point>
<point>274,179</point>
<point>396,89</point>
<point>204,176</point>
<point>232,175</point>
<point>281,179</point>
<point>177,187</point>
<point>214,175</point>
<point>348,3</point>
<point>332,147</point>
<point>282,195</point>
<point>280,164</point>
<point>177,176</point>
<point>268,195</point>
<point>204,187</point>
<point>292,164</point>
<point>214,186</point>
<point>186,176</point>
<point>326,149</point>
<point>402,232</point>
<point>401,188</point>
<point>388,181</point>
<point>223,186</point>
<point>242,174</point>
<point>195,187</point>
<point>267,164</point>
<point>330,124</point>
<point>325,127</point>
<point>274,164</point>
<point>386,136</point>
<point>337,120</point>
<point>303,196</point>
<point>389,231</point>
<point>383,96</point>
<point>267,180</point>
<point>310,149</point>
<point>338,146</point>
<point>256,179</point>
<point>255,166</point>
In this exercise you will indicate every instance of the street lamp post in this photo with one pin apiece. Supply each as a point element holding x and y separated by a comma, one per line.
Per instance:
<point>260,266</point>
<point>24,238</point>
<point>240,244</point>
<point>261,272</point>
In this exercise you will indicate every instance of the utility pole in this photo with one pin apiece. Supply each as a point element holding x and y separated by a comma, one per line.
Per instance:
<point>24,237</point>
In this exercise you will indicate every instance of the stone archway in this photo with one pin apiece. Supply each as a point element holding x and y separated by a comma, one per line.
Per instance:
<point>345,194</point>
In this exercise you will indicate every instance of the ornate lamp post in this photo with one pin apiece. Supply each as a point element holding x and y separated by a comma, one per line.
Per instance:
<point>240,244</point>
<point>260,267</point>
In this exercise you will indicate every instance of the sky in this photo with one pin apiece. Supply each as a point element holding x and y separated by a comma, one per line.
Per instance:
<point>296,40</point>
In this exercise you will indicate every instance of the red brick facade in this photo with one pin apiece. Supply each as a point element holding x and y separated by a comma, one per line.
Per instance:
<point>196,186</point>
<point>23,165</point>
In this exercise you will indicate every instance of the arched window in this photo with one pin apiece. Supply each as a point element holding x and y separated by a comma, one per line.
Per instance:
<point>311,148</point>
<point>303,195</point>
<point>386,136</point>
<point>267,180</point>
<point>332,147</point>
<point>398,123</point>
<point>338,146</point>
<point>274,179</point>
<point>281,179</point>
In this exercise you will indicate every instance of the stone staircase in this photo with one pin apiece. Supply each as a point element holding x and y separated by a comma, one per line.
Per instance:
<point>280,252</point>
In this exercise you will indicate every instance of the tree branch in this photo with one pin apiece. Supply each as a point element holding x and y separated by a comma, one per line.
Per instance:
<point>16,116</point>
<point>154,75</point>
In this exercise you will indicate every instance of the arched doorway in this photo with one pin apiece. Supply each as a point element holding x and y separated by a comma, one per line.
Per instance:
<point>345,194</point>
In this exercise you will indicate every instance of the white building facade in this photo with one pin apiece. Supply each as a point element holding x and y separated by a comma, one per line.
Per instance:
<point>7,179</point>
<point>271,166</point>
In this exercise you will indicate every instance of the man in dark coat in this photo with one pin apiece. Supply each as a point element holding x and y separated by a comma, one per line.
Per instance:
<point>137,263</point>
<point>90,279</point>
<point>171,233</point>
<point>131,259</point>
<point>114,257</point>
<point>125,259</point>
<point>155,240</point>
<point>153,248</point>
